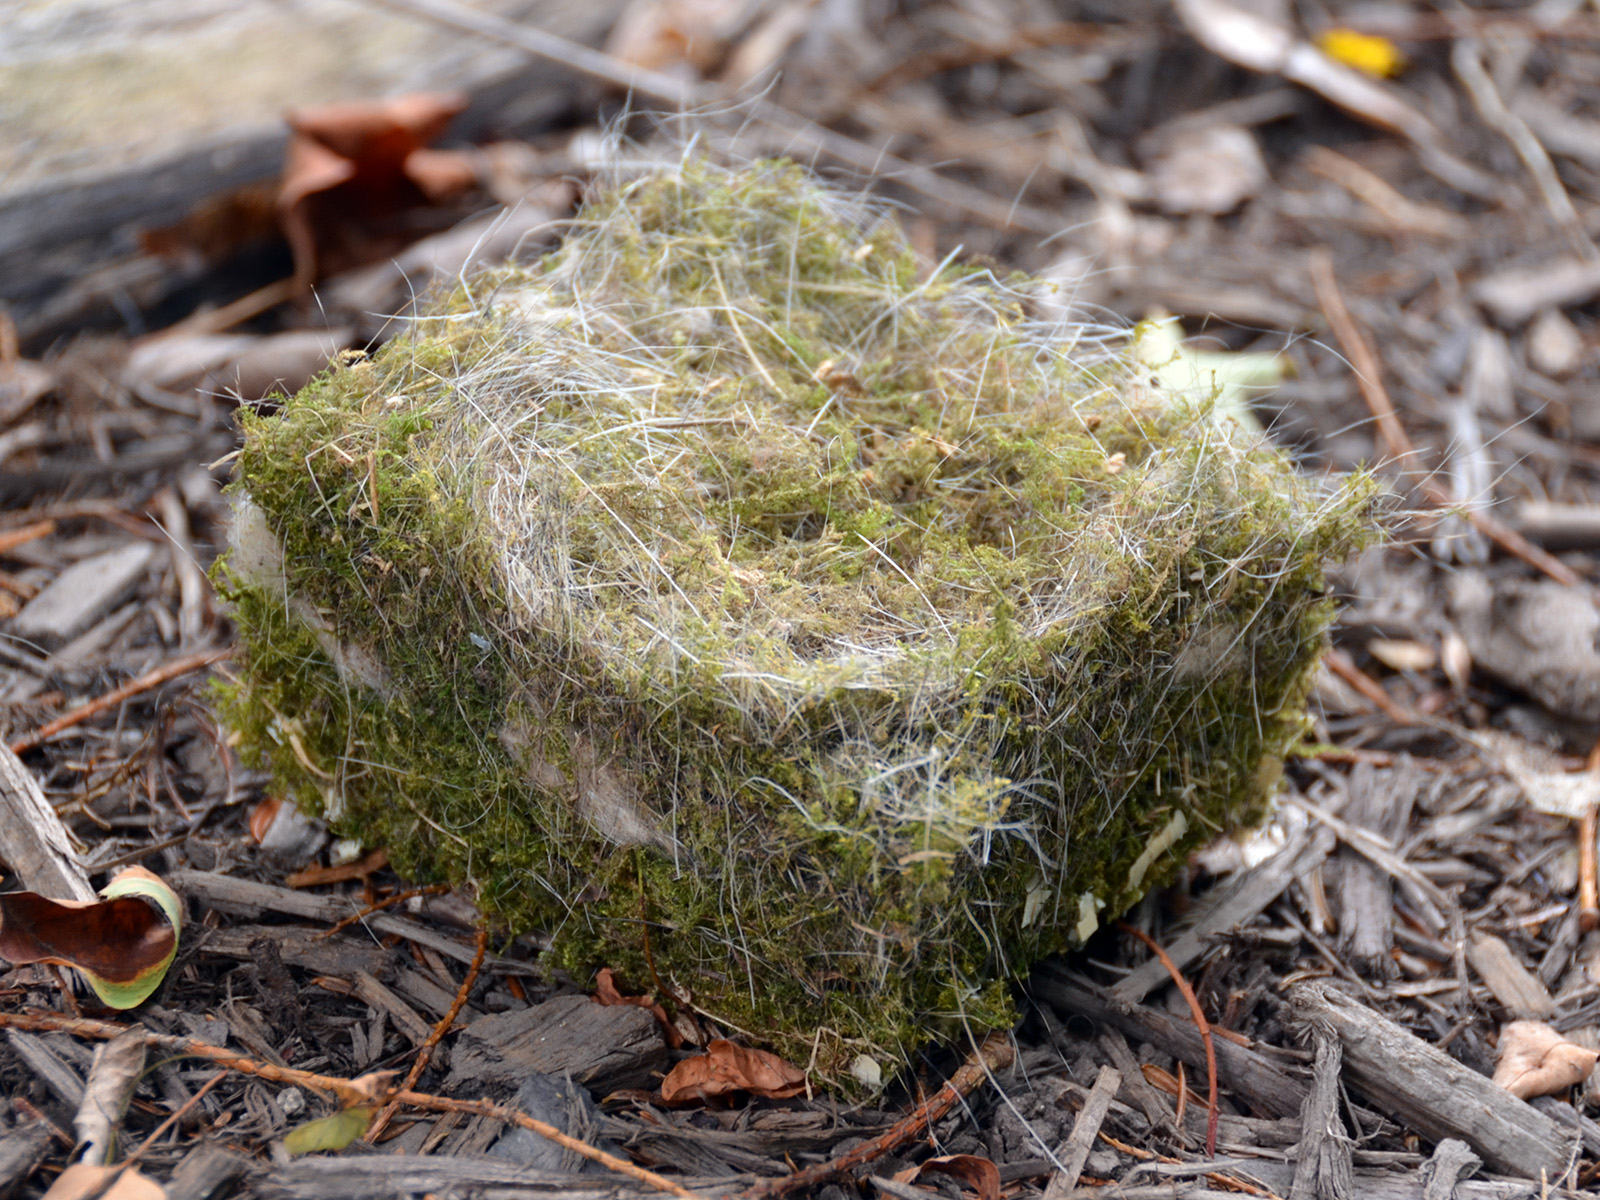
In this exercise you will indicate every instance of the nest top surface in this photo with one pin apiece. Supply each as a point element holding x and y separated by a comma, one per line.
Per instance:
<point>736,427</point>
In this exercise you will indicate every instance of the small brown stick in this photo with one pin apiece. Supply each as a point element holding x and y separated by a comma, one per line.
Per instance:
<point>425,1051</point>
<point>218,319</point>
<point>1588,875</point>
<point>150,679</point>
<point>996,1053</point>
<point>106,1030</point>
<point>1340,664</point>
<point>1200,1023</point>
<point>1396,442</point>
<point>1588,866</point>
<point>12,538</point>
<point>172,1120</point>
<point>1512,542</point>
<point>432,889</point>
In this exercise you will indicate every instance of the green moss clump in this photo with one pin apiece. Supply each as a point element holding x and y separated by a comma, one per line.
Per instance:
<point>753,609</point>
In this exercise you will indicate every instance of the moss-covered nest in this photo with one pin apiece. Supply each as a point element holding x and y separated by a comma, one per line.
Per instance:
<point>774,617</point>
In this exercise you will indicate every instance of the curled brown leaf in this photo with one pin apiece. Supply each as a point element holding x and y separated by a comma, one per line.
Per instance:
<point>1535,1060</point>
<point>726,1068</point>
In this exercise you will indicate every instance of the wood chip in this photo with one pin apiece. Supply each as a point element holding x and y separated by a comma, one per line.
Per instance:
<point>1074,1152</point>
<point>33,841</point>
<point>603,1047</point>
<point>1521,991</point>
<point>82,594</point>
<point>1426,1090</point>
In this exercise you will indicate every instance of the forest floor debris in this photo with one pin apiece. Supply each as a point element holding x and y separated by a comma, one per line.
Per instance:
<point>1422,898</point>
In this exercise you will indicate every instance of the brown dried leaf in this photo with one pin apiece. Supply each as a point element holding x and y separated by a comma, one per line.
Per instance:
<point>86,1181</point>
<point>726,1068</point>
<point>978,1173</point>
<point>1535,1060</point>
<point>359,163</point>
<point>677,1032</point>
<point>123,944</point>
<point>117,1068</point>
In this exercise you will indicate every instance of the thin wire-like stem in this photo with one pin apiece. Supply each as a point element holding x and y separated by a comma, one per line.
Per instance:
<point>1200,1022</point>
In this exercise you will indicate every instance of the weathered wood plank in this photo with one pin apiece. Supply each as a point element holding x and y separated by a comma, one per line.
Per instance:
<point>82,594</point>
<point>1426,1090</point>
<point>123,118</point>
<point>602,1046</point>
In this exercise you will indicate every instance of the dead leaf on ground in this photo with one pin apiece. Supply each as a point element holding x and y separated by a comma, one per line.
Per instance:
<point>978,1173</point>
<point>351,168</point>
<point>1535,1060</point>
<point>123,943</point>
<point>679,1032</point>
<point>115,1072</point>
<point>284,833</point>
<point>329,1133</point>
<point>726,1068</point>
<point>85,1181</point>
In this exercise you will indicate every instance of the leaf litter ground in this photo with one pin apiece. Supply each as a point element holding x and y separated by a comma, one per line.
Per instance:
<point>1472,865</point>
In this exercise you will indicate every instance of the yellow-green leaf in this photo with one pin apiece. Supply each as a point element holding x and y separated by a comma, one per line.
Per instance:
<point>328,1133</point>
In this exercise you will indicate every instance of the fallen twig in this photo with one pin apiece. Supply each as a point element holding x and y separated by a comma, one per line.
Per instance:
<point>1588,866</point>
<point>1341,665</point>
<point>430,889</point>
<point>150,679</point>
<point>193,1047</point>
<point>12,538</point>
<point>425,1051</point>
<point>1200,1022</point>
<point>995,1054</point>
<point>1396,442</point>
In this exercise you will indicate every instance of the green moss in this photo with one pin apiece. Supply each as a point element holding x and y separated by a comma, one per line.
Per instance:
<point>756,612</point>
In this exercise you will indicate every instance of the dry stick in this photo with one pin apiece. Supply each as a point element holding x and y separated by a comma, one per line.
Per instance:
<point>664,88</point>
<point>218,319</point>
<point>1393,434</point>
<point>1468,66</point>
<point>106,1030</point>
<point>1341,665</point>
<point>431,889</point>
<point>995,1054</point>
<point>151,679</point>
<point>172,1120</point>
<point>1588,867</point>
<point>1397,444</point>
<point>425,1051</point>
<point>12,538</point>
<point>1200,1023</point>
